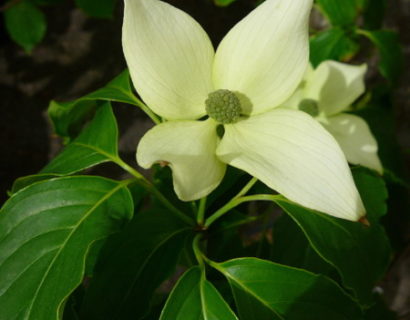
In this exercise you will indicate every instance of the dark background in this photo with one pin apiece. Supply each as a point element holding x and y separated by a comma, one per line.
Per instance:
<point>80,54</point>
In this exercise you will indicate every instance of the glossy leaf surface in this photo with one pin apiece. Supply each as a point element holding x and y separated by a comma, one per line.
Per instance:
<point>46,231</point>
<point>290,293</point>
<point>195,298</point>
<point>96,144</point>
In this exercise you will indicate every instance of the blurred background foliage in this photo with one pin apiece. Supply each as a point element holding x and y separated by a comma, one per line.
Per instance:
<point>62,50</point>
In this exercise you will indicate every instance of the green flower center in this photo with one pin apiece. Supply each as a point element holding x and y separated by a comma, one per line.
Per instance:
<point>309,106</point>
<point>223,106</point>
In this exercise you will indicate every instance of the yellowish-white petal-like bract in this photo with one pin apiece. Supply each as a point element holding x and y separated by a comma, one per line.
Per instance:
<point>293,154</point>
<point>265,55</point>
<point>335,85</point>
<point>189,148</point>
<point>170,58</point>
<point>356,140</point>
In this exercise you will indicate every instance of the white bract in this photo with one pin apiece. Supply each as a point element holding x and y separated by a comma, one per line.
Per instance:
<point>257,66</point>
<point>328,91</point>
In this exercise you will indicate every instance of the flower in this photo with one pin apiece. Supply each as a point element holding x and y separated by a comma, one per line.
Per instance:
<point>325,93</point>
<point>257,66</point>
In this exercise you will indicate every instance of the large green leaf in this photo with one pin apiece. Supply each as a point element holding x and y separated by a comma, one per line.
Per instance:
<point>250,307</point>
<point>391,57</point>
<point>25,23</point>
<point>97,8</point>
<point>133,264</point>
<point>46,231</point>
<point>296,250</point>
<point>96,144</point>
<point>340,13</point>
<point>195,298</point>
<point>332,44</point>
<point>67,117</point>
<point>290,293</point>
<point>25,181</point>
<point>361,254</point>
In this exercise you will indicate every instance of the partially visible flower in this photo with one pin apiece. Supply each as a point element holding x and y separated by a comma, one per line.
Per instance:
<point>328,91</point>
<point>257,66</point>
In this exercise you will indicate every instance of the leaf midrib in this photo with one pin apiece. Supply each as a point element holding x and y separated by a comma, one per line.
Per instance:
<point>86,215</point>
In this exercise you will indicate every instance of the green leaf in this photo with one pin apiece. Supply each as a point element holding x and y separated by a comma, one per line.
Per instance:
<point>296,251</point>
<point>390,51</point>
<point>223,3</point>
<point>96,144</point>
<point>332,44</point>
<point>46,231</point>
<point>360,254</point>
<point>339,13</point>
<point>68,117</point>
<point>97,8</point>
<point>373,192</point>
<point>196,298</point>
<point>250,308</point>
<point>146,253</point>
<point>26,24</point>
<point>290,293</point>
<point>23,182</point>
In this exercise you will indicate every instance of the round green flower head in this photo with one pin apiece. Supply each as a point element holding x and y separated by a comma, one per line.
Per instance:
<point>309,106</point>
<point>223,106</point>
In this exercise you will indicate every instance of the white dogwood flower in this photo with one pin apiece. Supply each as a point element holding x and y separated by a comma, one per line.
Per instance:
<point>237,89</point>
<point>326,93</point>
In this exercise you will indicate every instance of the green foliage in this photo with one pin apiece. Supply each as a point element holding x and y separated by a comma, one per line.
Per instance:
<point>289,293</point>
<point>68,117</point>
<point>339,13</point>
<point>96,144</point>
<point>332,44</point>
<point>335,239</point>
<point>146,252</point>
<point>84,247</point>
<point>46,231</point>
<point>391,59</point>
<point>196,298</point>
<point>97,8</point>
<point>26,24</point>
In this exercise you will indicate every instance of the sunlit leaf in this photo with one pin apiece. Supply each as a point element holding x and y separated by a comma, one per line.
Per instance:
<point>96,144</point>
<point>46,231</point>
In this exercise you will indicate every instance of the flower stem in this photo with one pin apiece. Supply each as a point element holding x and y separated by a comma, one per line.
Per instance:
<point>197,251</point>
<point>231,204</point>
<point>151,188</point>
<point>201,211</point>
<point>236,202</point>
